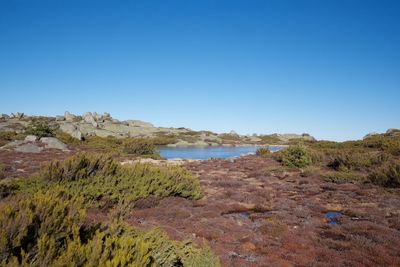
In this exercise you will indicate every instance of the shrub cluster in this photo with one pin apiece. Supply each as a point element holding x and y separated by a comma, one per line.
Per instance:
<point>40,129</point>
<point>102,181</point>
<point>50,229</point>
<point>263,152</point>
<point>294,156</point>
<point>80,166</point>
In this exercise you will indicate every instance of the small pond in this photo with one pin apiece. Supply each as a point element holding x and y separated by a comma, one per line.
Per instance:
<point>203,153</point>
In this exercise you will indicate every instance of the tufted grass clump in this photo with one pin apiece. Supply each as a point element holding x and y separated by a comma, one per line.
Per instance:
<point>263,152</point>
<point>294,156</point>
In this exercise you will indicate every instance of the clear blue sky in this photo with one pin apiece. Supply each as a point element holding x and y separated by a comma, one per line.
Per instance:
<point>330,68</point>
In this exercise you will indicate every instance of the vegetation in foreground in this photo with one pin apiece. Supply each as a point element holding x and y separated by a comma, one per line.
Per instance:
<point>43,220</point>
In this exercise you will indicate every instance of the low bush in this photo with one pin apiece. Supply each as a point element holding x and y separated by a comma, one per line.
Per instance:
<point>80,166</point>
<point>294,156</point>
<point>40,129</point>
<point>139,147</point>
<point>388,175</point>
<point>102,181</point>
<point>263,152</point>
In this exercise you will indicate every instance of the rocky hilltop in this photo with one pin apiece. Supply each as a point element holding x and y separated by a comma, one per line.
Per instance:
<point>103,125</point>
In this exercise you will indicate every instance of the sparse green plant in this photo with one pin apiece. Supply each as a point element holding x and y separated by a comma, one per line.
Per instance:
<point>263,152</point>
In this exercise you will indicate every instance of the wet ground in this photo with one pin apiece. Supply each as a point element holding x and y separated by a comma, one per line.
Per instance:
<point>255,213</point>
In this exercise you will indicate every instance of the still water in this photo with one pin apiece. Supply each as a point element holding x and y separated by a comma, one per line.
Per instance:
<point>208,152</point>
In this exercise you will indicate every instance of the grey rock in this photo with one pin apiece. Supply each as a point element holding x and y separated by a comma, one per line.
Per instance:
<point>4,116</point>
<point>89,118</point>
<point>60,118</point>
<point>31,138</point>
<point>392,131</point>
<point>52,142</point>
<point>28,148</point>
<point>138,123</point>
<point>72,130</point>
<point>68,116</point>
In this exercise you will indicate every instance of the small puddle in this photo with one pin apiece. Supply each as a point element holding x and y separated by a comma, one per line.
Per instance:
<point>332,217</point>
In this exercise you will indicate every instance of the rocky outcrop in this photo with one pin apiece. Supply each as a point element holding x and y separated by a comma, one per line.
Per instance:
<point>53,143</point>
<point>72,130</point>
<point>32,144</point>
<point>69,117</point>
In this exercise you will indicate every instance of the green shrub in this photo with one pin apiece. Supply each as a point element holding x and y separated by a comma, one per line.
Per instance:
<point>340,177</point>
<point>101,180</point>
<point>50,229</point>
<point>294,156</point>
<point>263,152</point>
<point>388,175</point>
<point>138,147</point>
<point>108,144</point>
<point>25,221</point>
<point>40,129</point>
<point>80,166</point>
